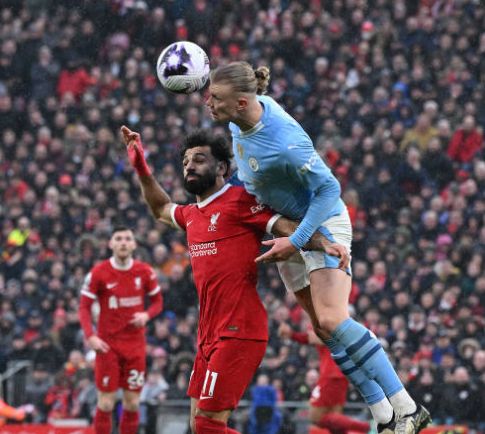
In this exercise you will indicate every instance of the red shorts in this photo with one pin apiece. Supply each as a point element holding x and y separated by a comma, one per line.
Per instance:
<point>329,392</point>
<point>222,371</point>
<point>123,366</point>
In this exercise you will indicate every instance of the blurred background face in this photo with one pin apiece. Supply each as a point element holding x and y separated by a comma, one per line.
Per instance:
<point>122,244</point>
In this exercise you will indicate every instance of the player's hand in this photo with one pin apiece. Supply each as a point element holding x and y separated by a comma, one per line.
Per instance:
<point>340,251</point>
<point>281,250</point>
<point>284,331</point>
<point>139,319</point>
<point>98,345</point>
<point>136,154</point>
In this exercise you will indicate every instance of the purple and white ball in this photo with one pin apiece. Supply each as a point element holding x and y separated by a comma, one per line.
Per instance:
<point>183,67</point>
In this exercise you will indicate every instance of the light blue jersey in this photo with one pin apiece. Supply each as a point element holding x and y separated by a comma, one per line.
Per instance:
<point>278,164</point>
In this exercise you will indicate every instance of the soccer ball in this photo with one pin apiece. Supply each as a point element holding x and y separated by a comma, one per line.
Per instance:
<point>183,67</point>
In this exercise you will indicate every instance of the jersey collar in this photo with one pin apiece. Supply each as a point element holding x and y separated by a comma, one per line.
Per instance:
<point>214,196</point>
<point>117,266</point>
<point>258,127</point>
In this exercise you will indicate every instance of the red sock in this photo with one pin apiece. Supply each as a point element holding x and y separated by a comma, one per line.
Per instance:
<point>339,422</point>
<point>129,422</point>
<point>206,425</point>
<point>231,431</point>
<point>102,421</point>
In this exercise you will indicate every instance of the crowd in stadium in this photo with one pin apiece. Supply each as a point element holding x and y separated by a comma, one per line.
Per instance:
<point>391,92</point>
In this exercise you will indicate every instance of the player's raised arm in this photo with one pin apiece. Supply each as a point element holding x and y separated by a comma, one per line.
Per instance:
<point>155,196</point>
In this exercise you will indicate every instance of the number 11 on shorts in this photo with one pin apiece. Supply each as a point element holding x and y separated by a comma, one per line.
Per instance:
<point>213,379</point>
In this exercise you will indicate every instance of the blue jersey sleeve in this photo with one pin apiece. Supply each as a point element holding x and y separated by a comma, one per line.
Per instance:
<point>308,169</point>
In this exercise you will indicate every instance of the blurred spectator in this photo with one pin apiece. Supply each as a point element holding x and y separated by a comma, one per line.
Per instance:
<point>37,385</point>
<point>460,401</point>
<point>154,391</point>
<point>465,142</point>
<point>420,134</point>
<point>264,416</point>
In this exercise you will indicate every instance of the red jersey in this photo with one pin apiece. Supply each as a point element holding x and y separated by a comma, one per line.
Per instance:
<point>224,235</point>
<point>121,293</point>
<point>328,367</point>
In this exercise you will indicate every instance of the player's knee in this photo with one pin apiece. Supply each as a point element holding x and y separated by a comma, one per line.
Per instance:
<point>106,403</point>
<point>131,403</point>
<point>328,320</point>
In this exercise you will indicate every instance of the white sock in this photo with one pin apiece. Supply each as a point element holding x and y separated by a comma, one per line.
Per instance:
<point>381,411</point>
<point>402,403</point>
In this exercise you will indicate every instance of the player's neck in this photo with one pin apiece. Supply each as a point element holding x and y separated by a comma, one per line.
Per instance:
<point>211,190</point>
<point>251,116</point>
<point>121,263</point>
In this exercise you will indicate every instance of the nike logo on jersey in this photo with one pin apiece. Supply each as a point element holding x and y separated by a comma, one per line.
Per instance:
<point>188,223</point>
<point>292,146</point>
<point>205,397</point>
<point>111,285</point>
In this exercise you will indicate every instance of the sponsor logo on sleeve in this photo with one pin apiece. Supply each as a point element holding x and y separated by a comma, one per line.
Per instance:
<point>310,163</point>
<point>257,208</point>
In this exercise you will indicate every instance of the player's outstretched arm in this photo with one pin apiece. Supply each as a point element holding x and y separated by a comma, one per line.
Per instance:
<point>155,196</point>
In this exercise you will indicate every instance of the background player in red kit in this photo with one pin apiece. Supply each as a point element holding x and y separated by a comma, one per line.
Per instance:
<point>120,285</point>
<point>329,395</point>
<point>233,328</point>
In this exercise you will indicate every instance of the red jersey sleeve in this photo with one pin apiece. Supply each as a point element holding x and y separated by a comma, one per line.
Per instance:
<point>178,217</point>
<point>89,293</point>
<point>255,214</point>
<point>91,285</point>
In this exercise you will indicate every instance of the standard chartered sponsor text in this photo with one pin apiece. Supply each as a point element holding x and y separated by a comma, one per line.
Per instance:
<point>203,249</point>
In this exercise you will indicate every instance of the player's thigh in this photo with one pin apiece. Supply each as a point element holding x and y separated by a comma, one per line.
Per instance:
<point>133,365</point>
<point>304,298</point>
<point>330,289</point>
<point>107,371</point>
<point>293,273</point>
<point>230,369</point>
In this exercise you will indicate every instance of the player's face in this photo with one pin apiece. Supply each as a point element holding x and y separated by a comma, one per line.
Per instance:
<point>223,102</point>
<point>122,244</point>
<point>200,170</point>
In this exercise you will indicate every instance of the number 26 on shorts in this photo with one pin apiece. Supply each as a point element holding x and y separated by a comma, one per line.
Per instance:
<point>136,379</point>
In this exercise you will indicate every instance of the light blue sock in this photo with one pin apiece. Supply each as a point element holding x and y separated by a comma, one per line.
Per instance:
<point>371,392</point>
<point>367,353</point>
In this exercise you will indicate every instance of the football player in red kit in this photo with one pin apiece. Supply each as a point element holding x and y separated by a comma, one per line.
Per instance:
<point>328,397</point>
<point>120,285</point>
<point>224,231</point>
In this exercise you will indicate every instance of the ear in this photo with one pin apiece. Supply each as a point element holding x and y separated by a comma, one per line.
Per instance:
<point>222,168</point>
<point>242,103</point>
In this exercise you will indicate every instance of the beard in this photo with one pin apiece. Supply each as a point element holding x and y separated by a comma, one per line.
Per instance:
<point>201,184</point>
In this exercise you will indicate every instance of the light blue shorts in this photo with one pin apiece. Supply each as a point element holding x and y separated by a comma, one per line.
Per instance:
<point>295,271</point>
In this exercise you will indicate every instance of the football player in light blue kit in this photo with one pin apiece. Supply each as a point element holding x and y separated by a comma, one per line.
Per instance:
<point>278,164</point>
